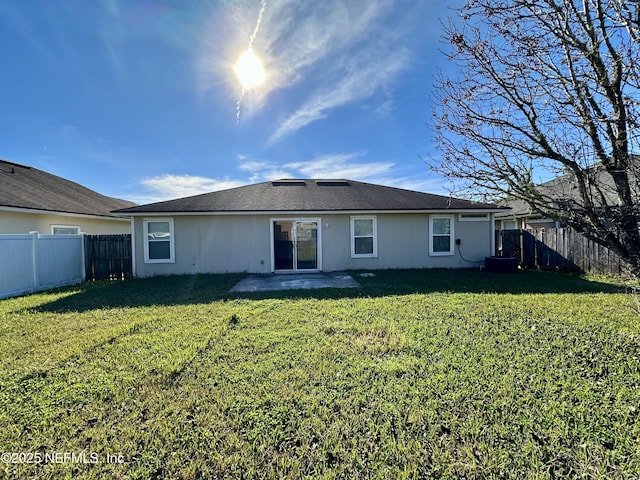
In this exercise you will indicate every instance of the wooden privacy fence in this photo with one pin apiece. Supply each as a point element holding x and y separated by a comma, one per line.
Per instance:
<point>560,249</point>
<point>108,257</point>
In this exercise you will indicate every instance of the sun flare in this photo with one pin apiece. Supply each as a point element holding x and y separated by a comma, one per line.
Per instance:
<point>249,70</point>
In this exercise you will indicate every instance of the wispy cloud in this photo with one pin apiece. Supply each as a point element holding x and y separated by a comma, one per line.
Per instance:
<point>379,110</point>
<point>338,165</point>
<point>260,169</point>
<point>352,166</point>
<point>111,35</point>
<point>420,183</point>
<point>166,187</point>
<point>27,31</point>
<point>328,54</point>
<point>341,165</point>
<point>362,82</point>
<point>339,52</point>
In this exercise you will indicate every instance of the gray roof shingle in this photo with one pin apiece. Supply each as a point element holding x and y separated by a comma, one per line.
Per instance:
<point>562,192</point>
<point>29,188</point>
<point>308,195</point>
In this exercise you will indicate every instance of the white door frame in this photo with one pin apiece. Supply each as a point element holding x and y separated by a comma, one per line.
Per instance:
<point>318,221</point>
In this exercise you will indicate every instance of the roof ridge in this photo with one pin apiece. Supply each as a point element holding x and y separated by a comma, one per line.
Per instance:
<point>15,164</point>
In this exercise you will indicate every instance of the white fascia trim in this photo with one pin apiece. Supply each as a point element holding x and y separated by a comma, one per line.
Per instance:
<point>63,214</point>
<point>304,214</point>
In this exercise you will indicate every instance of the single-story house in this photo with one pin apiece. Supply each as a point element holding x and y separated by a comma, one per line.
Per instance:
<point>32,200</point>
<point>306,225</point>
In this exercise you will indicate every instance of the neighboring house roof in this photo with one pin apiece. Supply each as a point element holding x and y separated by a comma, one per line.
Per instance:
<point>23,187</point>
<point>516,209</point>
<point>308,195</point>
<point>563,192</point>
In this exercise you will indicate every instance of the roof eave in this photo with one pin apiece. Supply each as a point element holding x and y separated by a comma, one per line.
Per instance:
<point>309,212</point>
<point>41,211</point>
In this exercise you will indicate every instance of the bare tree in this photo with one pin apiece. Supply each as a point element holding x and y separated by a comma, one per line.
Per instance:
<point>547,89</point>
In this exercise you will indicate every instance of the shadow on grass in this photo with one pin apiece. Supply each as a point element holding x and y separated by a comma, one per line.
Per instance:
<point>202,289</point>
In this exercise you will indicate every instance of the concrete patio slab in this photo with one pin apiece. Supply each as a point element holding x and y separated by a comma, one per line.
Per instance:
<point>263,283</point>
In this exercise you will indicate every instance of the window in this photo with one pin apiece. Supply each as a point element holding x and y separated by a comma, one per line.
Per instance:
<point>159,244</point>
<point>441,235</point>
<point>364,241</point>
<point>65,230</point>
<point>473,217</point>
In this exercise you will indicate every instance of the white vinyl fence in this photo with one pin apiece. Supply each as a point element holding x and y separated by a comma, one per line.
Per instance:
<point>34,262</point>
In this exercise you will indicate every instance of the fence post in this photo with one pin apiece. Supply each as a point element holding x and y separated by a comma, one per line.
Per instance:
<point>34,259</point>
<point>132,243</point>
<point>84,256</point>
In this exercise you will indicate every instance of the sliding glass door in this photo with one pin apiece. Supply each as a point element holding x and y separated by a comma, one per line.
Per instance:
<point>306,245</point>
<point>295,245</point>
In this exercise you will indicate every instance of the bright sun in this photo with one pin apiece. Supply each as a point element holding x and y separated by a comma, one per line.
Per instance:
<point>249,70</point>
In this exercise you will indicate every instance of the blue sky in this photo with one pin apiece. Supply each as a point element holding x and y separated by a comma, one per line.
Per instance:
<point>139,99</point>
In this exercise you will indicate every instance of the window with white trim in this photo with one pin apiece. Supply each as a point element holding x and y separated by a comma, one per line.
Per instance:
<point>159,242</point>
<point>65,230</point>
<point>441,235</point>
<point>364,241</point>
<point>473,217</point>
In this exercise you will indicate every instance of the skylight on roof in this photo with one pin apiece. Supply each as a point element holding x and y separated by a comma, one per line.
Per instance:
<point>286,183</point>
<point>332,183</point>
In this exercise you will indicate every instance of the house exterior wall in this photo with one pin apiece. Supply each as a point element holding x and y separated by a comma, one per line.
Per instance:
<point>403,242</point>
<point>211,244</point>
<point>24,222</point>
<point>242,243</point>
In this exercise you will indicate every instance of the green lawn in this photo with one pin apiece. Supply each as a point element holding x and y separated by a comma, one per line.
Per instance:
<point>418,374</point>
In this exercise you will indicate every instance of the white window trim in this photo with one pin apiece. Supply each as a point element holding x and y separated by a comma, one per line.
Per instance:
<point>172,241</point>
<point>451,235</point>
<point>473,217</point>
<point>375,237</point>
<point>53,227</point>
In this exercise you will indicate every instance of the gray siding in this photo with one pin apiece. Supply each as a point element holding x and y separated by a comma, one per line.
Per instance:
<point>403,242</point>
<point>242,243</point>
<point>211,244</point>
